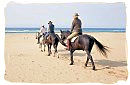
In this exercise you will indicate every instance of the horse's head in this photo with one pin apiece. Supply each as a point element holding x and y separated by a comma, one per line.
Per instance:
<point>64,34</point>
<point>37,34</point>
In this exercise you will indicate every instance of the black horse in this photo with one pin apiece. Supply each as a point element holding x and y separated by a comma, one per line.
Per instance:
<point>84,42</point>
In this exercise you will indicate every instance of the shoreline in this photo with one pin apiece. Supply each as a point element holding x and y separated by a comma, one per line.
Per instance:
<point>59,32</point>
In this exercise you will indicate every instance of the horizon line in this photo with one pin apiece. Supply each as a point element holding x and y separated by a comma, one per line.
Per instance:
<point>67,27</point>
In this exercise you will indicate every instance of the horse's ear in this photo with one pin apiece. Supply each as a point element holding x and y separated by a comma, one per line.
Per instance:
<point>61,31</point>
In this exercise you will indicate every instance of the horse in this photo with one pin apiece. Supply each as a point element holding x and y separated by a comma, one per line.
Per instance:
<point>84,42</point>
<point>37,34</point>
<point>40,39</point>
<point>52,39</point>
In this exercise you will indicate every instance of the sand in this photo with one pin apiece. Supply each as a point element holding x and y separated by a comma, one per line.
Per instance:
<point>26,63</point>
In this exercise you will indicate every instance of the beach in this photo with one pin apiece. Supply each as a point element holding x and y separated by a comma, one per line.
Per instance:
<point>26,63</point>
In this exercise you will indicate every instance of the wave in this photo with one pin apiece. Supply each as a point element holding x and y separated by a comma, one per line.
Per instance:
<point>34,30</point>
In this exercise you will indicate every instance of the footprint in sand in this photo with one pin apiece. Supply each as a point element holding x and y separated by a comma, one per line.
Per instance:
<point>118,74</point>
<point>111,72</point>
<point>33,61</point>
<point>107,67</point>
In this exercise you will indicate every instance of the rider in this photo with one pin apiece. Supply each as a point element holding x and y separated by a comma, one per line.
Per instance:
<point>42,32</point>
<point>50,29</point>
<point>75,29</point>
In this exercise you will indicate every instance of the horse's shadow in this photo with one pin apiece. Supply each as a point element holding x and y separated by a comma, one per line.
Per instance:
<point>63,52</point>
<point>111,63</point>
<point>103,62</point>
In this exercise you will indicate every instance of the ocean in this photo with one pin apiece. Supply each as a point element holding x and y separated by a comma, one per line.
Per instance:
<point>34,30</point>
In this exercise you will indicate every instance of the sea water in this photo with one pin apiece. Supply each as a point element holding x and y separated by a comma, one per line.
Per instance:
<point>34,30</point>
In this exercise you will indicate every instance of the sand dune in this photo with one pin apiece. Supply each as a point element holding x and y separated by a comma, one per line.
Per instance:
<point>26,63</point>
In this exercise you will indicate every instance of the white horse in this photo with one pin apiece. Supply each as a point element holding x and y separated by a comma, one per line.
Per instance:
<point>41,39</point>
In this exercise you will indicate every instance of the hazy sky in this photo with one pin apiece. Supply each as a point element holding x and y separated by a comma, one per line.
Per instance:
<point>91,14</point>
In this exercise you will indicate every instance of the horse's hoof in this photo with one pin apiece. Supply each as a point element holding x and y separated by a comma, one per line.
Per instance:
<point>71,63</point>
<point>44,50</point>
<point>41,50</point>
<point>48,54</point>
<point>85,64</point>
<point>94,68</point>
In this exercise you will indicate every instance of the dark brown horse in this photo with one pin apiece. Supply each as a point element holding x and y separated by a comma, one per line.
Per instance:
<point>52,39</point>
<point>84,42</point>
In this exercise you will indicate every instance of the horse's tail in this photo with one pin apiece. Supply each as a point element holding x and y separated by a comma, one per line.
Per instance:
<point>54,38</point>
<point>57,38</point>
<point>103,49</point>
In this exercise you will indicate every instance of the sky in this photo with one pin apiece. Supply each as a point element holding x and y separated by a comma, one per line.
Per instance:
<point>92,15</point>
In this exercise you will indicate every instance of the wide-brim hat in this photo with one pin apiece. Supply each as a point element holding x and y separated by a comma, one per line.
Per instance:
<point>49,22</point>
<point>76,14</point>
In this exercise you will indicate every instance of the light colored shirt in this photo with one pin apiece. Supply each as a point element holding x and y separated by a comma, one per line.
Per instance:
<point>42,30</point>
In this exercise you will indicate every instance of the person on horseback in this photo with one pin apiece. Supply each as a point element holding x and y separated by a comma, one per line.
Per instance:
<point>41,33</point>
<point>50,29</point>
<point>75,30</point>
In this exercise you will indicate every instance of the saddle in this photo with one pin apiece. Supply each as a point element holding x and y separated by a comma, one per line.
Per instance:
<point>74,38</point>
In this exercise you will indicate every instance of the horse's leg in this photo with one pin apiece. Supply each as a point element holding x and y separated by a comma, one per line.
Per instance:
<point>36,35</point>
<point>44,47</point>
<point>87,61</point>
<point>38,40</point>
<point>90,57</point>
<point>56,52</point>
<point>41,47</point>
<point>88,51</point>
<point>92,62</point>
<point>43,42</point>
<point>48,50</point>
<point>54,46</point>
<point>71,57</point>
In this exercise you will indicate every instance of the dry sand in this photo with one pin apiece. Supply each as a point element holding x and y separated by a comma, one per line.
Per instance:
<point>26,63</point>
